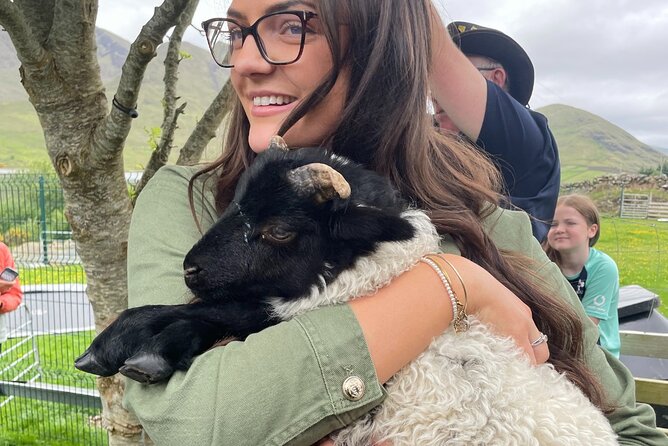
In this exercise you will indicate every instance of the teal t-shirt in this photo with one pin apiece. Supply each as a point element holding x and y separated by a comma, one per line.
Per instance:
<point>601,296</point>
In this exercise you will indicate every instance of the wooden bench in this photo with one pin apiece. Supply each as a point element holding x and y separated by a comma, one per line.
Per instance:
<point>650,345</point>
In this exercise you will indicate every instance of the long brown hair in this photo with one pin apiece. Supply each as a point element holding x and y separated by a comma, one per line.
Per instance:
<point>385,126</point>
<point>585,207</point>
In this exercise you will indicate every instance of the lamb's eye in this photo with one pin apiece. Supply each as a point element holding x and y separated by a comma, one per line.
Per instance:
<point>278,234</point>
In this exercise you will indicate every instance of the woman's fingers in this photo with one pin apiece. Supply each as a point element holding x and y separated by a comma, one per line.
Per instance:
<point>541,352</point>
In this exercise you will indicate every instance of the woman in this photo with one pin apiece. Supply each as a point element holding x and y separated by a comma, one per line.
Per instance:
<point>357,77</point>
<point>592,274</point>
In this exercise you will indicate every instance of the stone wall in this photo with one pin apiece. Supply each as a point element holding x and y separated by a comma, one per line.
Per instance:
<point>606,191</point>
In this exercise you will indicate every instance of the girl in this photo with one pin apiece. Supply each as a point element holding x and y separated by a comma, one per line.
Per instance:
<point>592,273</point>
<point>351,76</point>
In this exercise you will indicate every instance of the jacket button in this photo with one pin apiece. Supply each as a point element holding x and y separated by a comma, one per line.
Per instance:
<point>353,388</point>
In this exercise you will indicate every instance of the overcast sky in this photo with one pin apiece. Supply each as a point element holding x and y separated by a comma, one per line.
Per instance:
<point>608,57</point>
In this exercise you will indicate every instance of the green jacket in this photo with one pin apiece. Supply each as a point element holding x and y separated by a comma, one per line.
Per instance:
<point>284,384</point>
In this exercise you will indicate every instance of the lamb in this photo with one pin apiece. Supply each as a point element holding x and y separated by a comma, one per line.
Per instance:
<point>306,229</point>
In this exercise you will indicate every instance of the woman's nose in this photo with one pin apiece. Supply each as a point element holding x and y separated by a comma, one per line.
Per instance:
<point>248,59</point>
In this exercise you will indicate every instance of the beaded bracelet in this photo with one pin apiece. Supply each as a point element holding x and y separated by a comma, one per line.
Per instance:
<point>463,322</point>
<point>459,316</point>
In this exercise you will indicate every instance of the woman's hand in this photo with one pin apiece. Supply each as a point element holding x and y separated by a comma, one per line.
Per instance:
<point>495,305</point>
<point>6,286</point>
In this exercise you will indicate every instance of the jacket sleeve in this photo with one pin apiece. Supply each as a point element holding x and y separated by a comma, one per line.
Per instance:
<point>280,386</point>
<point>12,298</point>
<point>634,423</point>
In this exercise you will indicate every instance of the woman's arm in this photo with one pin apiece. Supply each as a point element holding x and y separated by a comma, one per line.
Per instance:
<point>416,304</point>
<point>456,85</point>
<point>285,384</point>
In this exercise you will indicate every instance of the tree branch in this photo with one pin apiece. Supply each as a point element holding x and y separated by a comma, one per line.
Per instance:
<point>39,16</point>
<point>205,130</point>
<point>160,155</point>
<point>28,50</point>
<point>172,60</point>
<point>73,32</point>
<point>111,135</point>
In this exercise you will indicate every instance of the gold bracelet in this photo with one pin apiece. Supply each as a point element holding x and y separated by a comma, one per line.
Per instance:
<point>462,322</point>
<point>458,314</point>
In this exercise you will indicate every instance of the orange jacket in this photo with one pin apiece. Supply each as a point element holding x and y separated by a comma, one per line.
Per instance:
<point>12,298</point>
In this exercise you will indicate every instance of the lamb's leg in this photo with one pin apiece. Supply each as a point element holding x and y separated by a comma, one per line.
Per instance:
<point>148,343</point>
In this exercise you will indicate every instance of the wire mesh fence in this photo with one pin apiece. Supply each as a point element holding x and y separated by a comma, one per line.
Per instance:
<point>43,399</point>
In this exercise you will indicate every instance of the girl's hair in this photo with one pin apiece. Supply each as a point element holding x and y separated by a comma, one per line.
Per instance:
<point>385,126</point>
<point>585,207</point>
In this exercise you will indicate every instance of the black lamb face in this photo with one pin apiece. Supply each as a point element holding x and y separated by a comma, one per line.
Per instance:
<point>285,232</point>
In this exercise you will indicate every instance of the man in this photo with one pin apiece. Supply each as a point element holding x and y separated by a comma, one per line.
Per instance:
<point>482,91</point>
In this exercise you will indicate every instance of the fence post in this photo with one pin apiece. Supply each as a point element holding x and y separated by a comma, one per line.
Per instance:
<point>621,202</point>
<point>42,221</point>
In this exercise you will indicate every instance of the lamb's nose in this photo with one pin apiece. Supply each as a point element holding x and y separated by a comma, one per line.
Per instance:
<point>191,272</point>
<point>191,275</point>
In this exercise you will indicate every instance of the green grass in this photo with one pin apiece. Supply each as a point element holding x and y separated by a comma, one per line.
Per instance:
<point>33,422</point>
<point>53,274</point>
<point>640,248</point>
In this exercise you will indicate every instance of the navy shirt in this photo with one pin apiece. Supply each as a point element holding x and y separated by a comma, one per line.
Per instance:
<point>520,142</point>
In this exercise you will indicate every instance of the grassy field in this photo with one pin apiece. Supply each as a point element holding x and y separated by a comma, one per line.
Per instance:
<point>640,248</point>
<point>55,274</point>
<point>32,422</point>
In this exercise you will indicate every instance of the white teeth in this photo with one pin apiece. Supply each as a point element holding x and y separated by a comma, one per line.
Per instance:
<point>272,100</point>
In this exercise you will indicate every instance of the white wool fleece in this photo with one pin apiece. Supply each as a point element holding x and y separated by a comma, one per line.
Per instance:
<point>471,388</point>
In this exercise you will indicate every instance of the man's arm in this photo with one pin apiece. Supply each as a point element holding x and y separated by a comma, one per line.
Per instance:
<point>457,86</point>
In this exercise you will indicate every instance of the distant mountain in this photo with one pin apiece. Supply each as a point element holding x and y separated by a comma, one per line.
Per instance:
<point>590,146</point>
<point>200,79</point>
<point>663,150</point>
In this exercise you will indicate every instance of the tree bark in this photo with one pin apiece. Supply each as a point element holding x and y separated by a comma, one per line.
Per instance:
<point>55,43</point>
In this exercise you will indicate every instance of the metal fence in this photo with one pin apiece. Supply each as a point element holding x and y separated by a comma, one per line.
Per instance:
<point>642,206</point>
<point>43,399</point>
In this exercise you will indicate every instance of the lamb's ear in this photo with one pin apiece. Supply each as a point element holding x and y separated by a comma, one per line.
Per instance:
<point>370,224</point>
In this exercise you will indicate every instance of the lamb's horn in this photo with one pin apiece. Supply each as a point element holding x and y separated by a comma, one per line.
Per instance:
<point>319,181</point>
<point>279,143</point>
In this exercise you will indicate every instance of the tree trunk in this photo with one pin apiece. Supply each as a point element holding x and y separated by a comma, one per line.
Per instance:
<point>55,42</point>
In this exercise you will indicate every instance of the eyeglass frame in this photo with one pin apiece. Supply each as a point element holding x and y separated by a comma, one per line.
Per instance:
<point>495,67</point>
<point>251,30</point>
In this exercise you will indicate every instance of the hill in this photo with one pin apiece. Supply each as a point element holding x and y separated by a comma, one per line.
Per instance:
<point>590,146</point>
<point>200,79</point>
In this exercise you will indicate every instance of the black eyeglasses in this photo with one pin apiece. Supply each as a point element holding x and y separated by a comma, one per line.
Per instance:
<point>279,37</point>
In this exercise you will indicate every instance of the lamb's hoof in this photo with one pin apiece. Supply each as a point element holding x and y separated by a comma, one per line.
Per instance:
<point>147,368</point>
<point>88,363</point>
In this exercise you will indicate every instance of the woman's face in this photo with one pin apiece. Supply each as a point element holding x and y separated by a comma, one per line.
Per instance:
<point>269,92</point>
<point>570,230</point>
